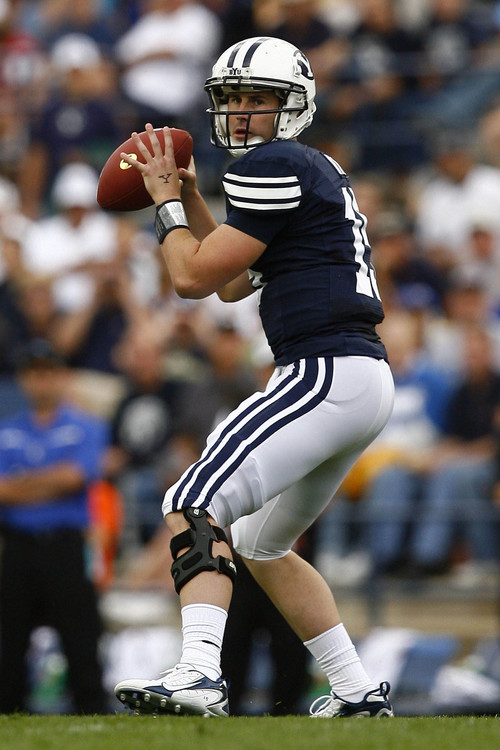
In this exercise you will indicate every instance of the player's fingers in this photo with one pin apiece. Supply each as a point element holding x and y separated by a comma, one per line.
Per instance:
<point>140,146</point>
<point>169,146</point>
<point>153,139</point>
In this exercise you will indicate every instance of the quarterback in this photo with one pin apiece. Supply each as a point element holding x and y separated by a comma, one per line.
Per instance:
<point>295,236</point>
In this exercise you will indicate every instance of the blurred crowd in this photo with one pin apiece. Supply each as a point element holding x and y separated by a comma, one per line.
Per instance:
<point>409,104</point>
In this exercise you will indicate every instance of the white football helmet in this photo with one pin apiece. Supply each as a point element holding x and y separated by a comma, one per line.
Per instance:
<point>261,63</point>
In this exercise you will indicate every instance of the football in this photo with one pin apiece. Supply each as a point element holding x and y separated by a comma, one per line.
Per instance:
<point>121,187</point>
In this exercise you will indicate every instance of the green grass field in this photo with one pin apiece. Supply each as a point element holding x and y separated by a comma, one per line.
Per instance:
<point>124,732</point>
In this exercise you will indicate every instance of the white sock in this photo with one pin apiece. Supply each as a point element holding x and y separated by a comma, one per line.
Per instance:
<point>336,655</point>
<point>203,628</point>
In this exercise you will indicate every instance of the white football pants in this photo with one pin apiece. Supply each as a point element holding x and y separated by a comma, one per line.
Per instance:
<point>317,414</point>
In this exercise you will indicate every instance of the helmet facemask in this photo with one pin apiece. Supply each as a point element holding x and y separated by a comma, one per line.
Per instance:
<point>220,113</point>
<point>260,58</point>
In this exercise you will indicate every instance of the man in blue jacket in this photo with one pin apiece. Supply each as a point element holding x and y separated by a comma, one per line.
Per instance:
<point>49,454</point>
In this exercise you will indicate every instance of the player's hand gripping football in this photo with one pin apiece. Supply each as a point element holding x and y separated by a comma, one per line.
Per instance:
<point>159,171</point>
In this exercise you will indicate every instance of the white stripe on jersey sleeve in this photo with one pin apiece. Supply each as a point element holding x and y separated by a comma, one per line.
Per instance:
<point>267,180</point>
<point>262,193</point>
<point>263,206</point>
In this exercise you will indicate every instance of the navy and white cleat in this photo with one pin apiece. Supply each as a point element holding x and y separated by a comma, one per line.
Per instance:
<point>181,690</point>
<point>374,705</point>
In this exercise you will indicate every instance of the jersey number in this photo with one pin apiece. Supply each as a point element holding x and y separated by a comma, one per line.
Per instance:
<point>365,275</point>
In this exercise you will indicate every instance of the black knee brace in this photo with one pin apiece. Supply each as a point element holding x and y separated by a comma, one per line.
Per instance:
<point>199,538</point>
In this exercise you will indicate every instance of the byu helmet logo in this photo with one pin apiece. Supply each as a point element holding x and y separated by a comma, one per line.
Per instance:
<point>303,65</point>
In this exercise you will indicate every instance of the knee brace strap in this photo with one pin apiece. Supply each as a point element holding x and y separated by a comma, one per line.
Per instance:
<point>199,538</point>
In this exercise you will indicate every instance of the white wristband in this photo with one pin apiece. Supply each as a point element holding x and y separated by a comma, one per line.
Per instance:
<point>169,215</point>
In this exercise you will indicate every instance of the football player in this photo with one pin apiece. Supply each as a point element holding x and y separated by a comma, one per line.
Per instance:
<point>294,235</point>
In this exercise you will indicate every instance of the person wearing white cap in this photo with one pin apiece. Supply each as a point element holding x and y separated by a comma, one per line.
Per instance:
<point>78,233</point>
<point>75,51</point>
<point>174,41</point>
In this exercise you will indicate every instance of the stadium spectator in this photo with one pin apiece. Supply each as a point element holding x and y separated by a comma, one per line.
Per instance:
<point>467,302</point>
<point>78,237</point>
<point>457,499</point>
<point>144,425</point>
<point>404,277</point>
<point>228,381</point>
<point>50,454</point>
<point>388,476</point>
<point>383,40</point>
<point>454,34</point>
<point>17,322</point>
<point>77,122</point>
<point>372,92</point>
<point>174,41</point>
<point>483,256</point>
<point>458,72</point>
<point>180,326</point>
<point>88,336</point>
<point>33,315</point>
<point>458,191</point>
<point>427,481</point>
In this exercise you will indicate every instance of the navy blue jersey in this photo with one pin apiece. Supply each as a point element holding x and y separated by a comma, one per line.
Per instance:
<point>318,294</point>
